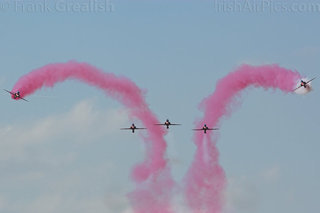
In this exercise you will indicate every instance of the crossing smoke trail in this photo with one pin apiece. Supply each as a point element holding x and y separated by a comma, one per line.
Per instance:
<point>152,176</point>
<point>205,179</point>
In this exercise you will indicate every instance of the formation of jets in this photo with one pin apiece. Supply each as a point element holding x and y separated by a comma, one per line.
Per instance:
<point>167,123</point>
<point>205,128</point>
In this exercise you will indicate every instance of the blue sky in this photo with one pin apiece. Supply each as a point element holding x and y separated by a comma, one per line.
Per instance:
<point>63,151</point>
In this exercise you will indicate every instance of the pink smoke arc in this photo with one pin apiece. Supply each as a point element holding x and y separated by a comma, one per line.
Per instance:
<point>205,180</point>
<point>149,175</point>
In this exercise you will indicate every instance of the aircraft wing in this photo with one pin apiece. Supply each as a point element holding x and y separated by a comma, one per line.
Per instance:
<point>125,128</point>
<point>297,88</point>
<point>141,128</point>
<point>166,124</point>
<point>24,99</point>
<point>9,92</point>
<point>311,80</point>
<point>213,129</point>
<point>197,129</point>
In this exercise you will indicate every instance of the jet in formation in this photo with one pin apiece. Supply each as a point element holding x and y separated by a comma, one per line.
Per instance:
<point>304,84</point>
<point>15,95</point>
<point>132,128</point>
<point>205,128</point>
<point>167,123</point>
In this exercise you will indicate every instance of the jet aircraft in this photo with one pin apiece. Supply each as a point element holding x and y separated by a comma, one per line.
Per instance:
<point>133,128</point>
<point>15,95</point>
<point>167,124</point>
<point>304,84</point>
<point>205,128</point>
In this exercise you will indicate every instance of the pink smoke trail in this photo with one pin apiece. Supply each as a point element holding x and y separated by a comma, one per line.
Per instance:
<point>205,180</point>
<point>152,176</point>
